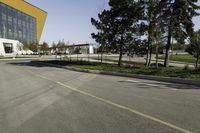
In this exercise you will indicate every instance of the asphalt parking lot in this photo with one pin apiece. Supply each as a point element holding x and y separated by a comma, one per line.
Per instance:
<point>41,99</point>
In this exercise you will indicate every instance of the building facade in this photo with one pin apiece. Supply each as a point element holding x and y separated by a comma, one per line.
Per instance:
<point>21,22</point>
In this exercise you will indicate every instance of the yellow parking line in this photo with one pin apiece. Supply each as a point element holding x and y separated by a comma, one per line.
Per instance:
<point>121,106</point>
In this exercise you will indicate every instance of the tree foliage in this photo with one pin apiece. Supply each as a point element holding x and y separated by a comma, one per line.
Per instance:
<point>103,26</point>
<point>132,25</point>
<point>179,14</point>
<point>44,47</point>
<point>118,26</point>
<point>60,48</point>
<point>32,46</point>
<point>194,47</point>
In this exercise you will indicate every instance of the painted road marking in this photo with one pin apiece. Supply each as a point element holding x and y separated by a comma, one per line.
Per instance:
<point>132,81</point>
<point>121,106</point>
<point>153,85</point>
<point>174,89</point>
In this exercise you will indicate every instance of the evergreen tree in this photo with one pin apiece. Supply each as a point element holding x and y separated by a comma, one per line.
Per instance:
<point>33,47</point>
<point>44,47</point>
<point>194,47</point>
<point>152,12</point>
<point>103,27</point>
<point>125,24</point>
<point>60,47</point>
<point>178,15</point>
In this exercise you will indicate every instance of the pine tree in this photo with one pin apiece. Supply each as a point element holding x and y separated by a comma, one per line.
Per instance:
<point>103,27</point>
<point>152,12</point>
<point>178,15</point>
<point>118,26</point>
<point>194,47</point>
<point>125,24</point>
<point>44,47</point>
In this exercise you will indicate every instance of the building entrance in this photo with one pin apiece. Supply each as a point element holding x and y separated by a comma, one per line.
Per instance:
<point>8,47</point>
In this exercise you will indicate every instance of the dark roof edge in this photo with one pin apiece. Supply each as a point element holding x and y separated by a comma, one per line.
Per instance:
<point>35,6</point>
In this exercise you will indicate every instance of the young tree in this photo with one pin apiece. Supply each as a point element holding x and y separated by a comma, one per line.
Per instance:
<point>44,47</point>
<point>194,47</point>
<point>54,48</point>
<point>159,40</point>
<point>26,47</point>
<point>61,47</point>
<point>33,47</point>
<point>152,14</point>
<point>19,48</point>
<point>103,27</point>
<point>125,24</point>
<point>118,27</point>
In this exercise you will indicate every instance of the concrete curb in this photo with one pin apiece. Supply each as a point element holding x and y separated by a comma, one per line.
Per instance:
<point>139,76</point>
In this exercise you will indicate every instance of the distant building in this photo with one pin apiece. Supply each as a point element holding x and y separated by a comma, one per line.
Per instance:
<point>81,49</point>
<point>20,23</point>
<point>76,49</point>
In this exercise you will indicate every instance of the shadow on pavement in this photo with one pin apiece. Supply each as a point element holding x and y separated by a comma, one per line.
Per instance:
<point>179,86</point>
<point>159,85</point>
<point>164,85</point>
<point>28,63</point>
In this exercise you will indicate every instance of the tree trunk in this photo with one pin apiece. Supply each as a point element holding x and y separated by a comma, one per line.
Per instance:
<point>70,58</point>
<point>147,58</point>
<point>101,54</point>
<point>156,55</point>
<point>148,51</point>
<point>149,43</point>
<point>120,56</point>
<point>150,56</point>
<point>168,46</point>
<point>197,60</point>
<point>98,57</point>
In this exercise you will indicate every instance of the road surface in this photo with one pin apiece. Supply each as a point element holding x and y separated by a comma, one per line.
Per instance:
<point>41,99</point>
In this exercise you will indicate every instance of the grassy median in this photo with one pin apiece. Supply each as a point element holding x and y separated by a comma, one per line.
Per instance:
<point>188,73</point>
<point>182,58</point>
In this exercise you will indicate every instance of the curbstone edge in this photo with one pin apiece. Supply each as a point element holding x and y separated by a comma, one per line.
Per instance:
<point>139,76</point>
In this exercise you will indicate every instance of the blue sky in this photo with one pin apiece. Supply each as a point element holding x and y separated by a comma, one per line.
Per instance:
<point>70,19</point>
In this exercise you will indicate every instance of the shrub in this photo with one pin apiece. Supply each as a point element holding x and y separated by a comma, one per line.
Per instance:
<point>186,67</point>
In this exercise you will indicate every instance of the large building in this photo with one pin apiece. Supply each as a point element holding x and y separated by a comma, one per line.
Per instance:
<point>20,22</point>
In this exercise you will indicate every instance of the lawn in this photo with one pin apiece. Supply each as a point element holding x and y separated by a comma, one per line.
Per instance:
<point>166,72</point>
<point>111,60</point>
<point>2,57</point>
<point>182,58</point>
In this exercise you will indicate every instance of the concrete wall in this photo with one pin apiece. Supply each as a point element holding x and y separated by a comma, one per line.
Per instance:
<point>91,49</point>
<point>17,48</point>
<point>31,10</point>
<point>2,50</point>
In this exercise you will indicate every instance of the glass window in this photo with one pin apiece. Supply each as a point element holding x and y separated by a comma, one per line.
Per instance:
<point>17,25</point>
<point>8,47</point>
